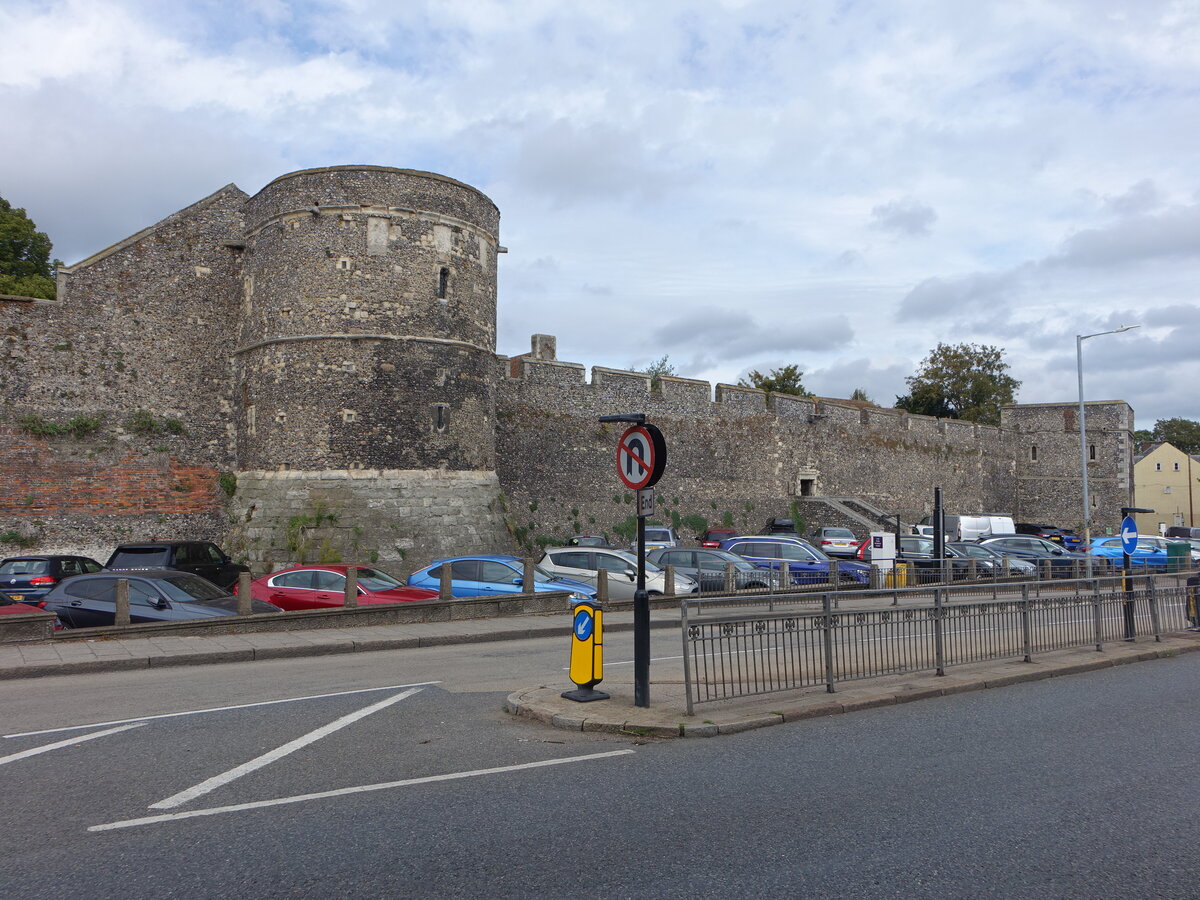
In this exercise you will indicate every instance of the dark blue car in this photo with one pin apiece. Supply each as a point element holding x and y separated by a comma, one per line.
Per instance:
<point>806,564</point>
<point>480,576</point>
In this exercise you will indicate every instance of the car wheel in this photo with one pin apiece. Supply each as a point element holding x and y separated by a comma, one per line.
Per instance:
<point>755,586</point>
<point>653,593</point>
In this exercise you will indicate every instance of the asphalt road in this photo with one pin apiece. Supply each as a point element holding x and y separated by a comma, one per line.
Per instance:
<point>1082,786</point>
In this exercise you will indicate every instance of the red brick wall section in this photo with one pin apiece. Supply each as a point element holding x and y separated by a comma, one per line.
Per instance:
<point>43,480</point>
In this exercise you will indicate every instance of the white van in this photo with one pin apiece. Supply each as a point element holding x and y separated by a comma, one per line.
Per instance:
<point>972,528</point>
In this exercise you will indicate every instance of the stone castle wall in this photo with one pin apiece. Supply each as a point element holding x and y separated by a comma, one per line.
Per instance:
<point>311,372</point>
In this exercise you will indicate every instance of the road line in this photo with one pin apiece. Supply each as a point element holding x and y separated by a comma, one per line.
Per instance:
<point>46,748</point>
<point>342,792</point>
<point>197,712</point>
<point>211,784</point>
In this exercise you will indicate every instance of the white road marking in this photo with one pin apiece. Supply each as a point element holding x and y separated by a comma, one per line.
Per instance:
<point>342,792</point>
<point>211,784</point>
<point>197,712</point>
<point>46,748</point>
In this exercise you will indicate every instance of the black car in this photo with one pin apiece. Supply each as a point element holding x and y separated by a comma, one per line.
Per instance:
<point>707,568</point>
<point>27,579</point>
<point>155,595</point>
<point>1061,536</point>
<point>1036,550</point>
<point>202,558</point>
<point>780,526</point>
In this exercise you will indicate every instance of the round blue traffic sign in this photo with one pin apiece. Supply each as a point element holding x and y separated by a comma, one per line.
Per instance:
<point>584,623</point>
<point>1129,534</point>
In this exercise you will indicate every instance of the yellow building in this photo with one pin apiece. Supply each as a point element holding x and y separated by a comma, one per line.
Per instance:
<point>1165,479</point>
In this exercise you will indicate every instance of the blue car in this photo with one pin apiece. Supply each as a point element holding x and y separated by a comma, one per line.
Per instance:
<point>806,564</point>
<point>481,576</point>
<point>1149,553</point>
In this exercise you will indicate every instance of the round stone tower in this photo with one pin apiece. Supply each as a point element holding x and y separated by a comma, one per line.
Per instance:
<point>365,370</point>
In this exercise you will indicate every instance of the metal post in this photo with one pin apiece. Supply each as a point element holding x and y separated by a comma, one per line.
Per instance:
<point>1026,628</point>
<point>1097,621</point>
<point>1154,608</point>
<point>687,659</point>
<point>827,638</point>
<point>121,610</point>
<point>939,522</point>
<point>350,601</point>
<point>1127,587</point>
<point>244,606</point>
<point>641,624</point>
<point>1083,461</point>
<point>939,650</point>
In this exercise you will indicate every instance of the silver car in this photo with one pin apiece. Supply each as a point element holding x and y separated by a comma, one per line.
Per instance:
<point>582,564</point>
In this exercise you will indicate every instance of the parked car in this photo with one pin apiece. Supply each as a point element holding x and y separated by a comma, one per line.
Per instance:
<point>988,560</point>
<point>805,563</point>
<point>1146,554</point>
<point>155,595</point>
<point>202,558</point>
<point>1183,532</point>
<point>1162,542</point>
<point>1035,549</point>
<point>780,526</point>
<point>323,587</point>
<point>918,552</point>
<point>707,568</point>
<point>481,576</point>
<point>1061,536</point>
<point>657,536</point>
<point>584,564</point>
<point>30,578</point>
<point>587,540</point>
<point>839,542</point>
<point>713,537</point>
<point>15,607</point>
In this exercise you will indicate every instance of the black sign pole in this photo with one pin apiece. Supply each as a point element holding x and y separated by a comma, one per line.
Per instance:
<point>641,624</point>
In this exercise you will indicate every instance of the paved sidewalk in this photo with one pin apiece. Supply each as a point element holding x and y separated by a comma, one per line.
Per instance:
<point>667,715</point>
<point>69,657</point>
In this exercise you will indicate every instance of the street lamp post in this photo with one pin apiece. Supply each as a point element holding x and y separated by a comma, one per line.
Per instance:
<point>1083,454</point>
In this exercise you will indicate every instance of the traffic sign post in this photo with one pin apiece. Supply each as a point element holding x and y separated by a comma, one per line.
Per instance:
<point>1129,539</point>
<point>641,459</point>
<point>587,652</point>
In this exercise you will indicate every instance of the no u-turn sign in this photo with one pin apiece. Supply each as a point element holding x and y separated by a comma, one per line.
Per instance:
<point>641,456</point>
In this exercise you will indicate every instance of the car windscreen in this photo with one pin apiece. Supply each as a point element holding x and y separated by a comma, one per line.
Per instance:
<point>658,534</point>
<point>140,558</point>
<point>25,567</point>
<point>839,533</point>
<point>374,580</point>
<point>186,588</point>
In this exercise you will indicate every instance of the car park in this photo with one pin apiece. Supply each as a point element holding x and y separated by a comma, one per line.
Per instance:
<point>587,540</point>
<point>155,595</point>
<point>585,563</point>
<point>839,542</point>
<point>202,558</point>
<point>805,564</point>
<point>30,578</point>
<point>713,537</point>
<point>1036,550</point>
<point>780,526</point>
<point>988,560</point>
<point>483,576</point>
<point>707,567</point>
<point>324,587</point>
<point>1147,553</point>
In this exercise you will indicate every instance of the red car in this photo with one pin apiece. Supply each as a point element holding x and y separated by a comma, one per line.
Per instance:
<point>8,605</point>
<point>714,536</point>
<point>323,587</point>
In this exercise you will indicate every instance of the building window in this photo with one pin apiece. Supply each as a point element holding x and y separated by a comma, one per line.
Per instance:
<point>1033,453</point>
<point>1167,489</point>
<point>1158,467</point>
<point>443,282</point>
<point>441,418</point>
<point>1092,452</point>
<point>1176,467</point>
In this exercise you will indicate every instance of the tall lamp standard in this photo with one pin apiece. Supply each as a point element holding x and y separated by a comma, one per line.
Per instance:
<point>1083,454</point>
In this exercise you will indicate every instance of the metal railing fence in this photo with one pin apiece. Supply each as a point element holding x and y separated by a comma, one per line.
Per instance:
<point>785,646</point>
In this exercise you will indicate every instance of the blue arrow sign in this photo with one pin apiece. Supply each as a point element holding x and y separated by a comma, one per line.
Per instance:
<point>1129,534</point>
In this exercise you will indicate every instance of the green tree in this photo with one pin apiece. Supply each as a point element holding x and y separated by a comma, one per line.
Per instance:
<point>656,369</point>
<point>784,380</point>
<point>860,394</point>
<point>25,268</point>
<point>1183,433</point>
<point>961,381</point>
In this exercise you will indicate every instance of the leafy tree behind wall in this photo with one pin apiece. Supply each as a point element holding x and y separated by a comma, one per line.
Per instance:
<point>656,369</point>
<point>25,267</point>
<point>1183,433</point>
<point>784,380</point>
<point>961,381</point>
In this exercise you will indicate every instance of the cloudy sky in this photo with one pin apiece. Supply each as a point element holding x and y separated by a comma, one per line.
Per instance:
<point>740,185</point>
